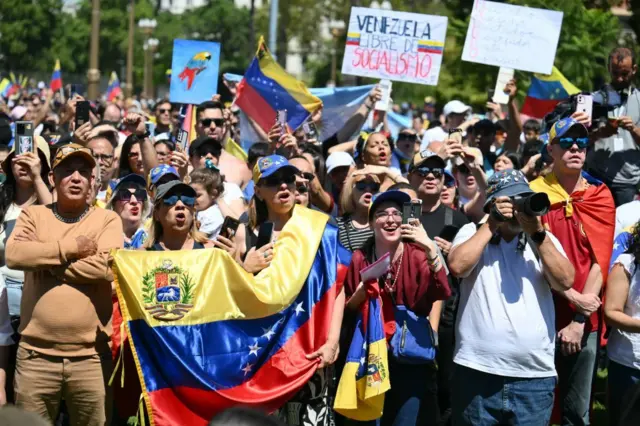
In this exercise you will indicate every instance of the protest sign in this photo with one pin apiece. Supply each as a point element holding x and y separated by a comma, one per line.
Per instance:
<point>518,37</point>
<point>504,76</point>
<point>397,46</point>
<point>194,71</point>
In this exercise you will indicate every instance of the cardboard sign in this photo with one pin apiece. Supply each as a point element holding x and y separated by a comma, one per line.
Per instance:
<point>518,37</point>
<point>194,71</point>
<point>504,76</point>
<point>397,46</point>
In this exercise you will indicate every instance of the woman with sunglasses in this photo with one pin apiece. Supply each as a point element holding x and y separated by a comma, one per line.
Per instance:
<point>274,202</point>
<point>449,194</point>
<point>353,226</point>
<point>130,201</point>
<point>472,183</point>
<point>416,279</point>
<point>174,224</point>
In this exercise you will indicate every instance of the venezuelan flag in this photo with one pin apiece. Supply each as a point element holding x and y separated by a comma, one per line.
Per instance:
<point>353,39</point>
<point>365,377</point>
<point>56,77</point>
<point>431,46</point>
<point>267,88</point>
<point>113,90</point>
<point>206,335</point>
<point>545,92</point>
<point>621,244</point>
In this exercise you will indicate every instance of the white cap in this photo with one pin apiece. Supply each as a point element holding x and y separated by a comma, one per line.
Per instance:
<point>455,107</point>
<point>339,159</point>
<point>41,85</point>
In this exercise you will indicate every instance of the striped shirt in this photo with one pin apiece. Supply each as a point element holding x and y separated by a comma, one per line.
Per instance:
<point>350,237</point>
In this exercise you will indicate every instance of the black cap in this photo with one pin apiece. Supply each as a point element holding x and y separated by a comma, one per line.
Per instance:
<point>203,140</point>
<point>171,187</point>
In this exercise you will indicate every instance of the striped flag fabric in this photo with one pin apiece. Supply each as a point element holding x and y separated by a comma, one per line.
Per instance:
<point>545,92</point>
<point>56,77</point>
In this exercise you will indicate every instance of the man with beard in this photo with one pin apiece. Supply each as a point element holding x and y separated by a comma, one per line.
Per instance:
<point>582,216</point>
<point>505,336</point>
<point>211,123</point>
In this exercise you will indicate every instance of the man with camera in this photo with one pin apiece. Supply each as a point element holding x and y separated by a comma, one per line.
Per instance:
<point>505,336</point>
<point>582,217</point>
<point>615,157</point>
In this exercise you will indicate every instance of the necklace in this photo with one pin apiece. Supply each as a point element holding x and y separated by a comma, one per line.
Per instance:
<point>69,219</point>
<point>392,288</point>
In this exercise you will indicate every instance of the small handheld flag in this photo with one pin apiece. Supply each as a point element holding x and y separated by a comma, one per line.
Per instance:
<point>56,77</point>
<point>545,92</point>
<point>113,90</point>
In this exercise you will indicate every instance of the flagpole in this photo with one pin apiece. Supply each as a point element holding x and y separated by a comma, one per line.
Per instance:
<point>273,27</point>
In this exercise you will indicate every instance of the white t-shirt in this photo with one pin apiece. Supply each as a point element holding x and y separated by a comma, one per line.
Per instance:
<point>506,318</point>
<point>624,347</point>
<point>433,135</point>
<point>211,219</point>
<point>627,215</point>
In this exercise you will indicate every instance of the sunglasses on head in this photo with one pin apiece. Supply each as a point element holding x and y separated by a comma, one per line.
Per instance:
<point>173,200</point>
<point>365,186</point>
<point>278,179</point>
<point>425,171</point>
<point>125,194</point>
<point>206,122</point>
<point>568,142</point>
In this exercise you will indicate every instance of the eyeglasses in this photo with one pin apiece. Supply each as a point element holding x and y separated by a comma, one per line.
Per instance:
<point>365,186</point>
<point>302,189</point>
<point>396,215</point>
<point>306,175</point>
<point>126,193</point>
<point>173,200</point>
<point>164,111</point>
<point>568,142</point>
<point>203,151</point>
<point>425,171</point>
<point>104,158</point>
<point>279,179</point>
<point>206,122</point>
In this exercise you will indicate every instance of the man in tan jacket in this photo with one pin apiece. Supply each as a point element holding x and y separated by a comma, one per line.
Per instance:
<point>66,304</point>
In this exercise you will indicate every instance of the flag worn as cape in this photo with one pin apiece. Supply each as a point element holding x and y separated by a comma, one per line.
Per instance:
<point>621,244</point>
<point>365,377</point>
<point>56,77</point>
<point>545,92</point>
<point>267,88</point>
<point>596,212</point>
<point>206,335</point>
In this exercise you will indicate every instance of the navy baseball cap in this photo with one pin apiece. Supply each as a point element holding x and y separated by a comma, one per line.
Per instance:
<point>507,183</point>
<point>266,166</point>
<point>381,197</point>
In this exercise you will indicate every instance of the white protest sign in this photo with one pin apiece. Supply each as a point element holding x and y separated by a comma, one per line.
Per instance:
<point>504,76</point>
<point>397,46</point>
<point>518,37</point>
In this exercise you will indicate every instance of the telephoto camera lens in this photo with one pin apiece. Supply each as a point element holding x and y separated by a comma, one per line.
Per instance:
<point>536,204</point>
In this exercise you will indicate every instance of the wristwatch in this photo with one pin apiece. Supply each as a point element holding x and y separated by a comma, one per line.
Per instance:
<point>538,237</point>
<point>143,136</point>
<point>579,318</point>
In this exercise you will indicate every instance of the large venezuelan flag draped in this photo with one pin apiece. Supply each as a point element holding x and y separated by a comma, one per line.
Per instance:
<point>545,92</point>
<point>56,77</point>
<point>267,88</point>
<point>365,377</point>
<point>621,244</point>
<point>206,335</point>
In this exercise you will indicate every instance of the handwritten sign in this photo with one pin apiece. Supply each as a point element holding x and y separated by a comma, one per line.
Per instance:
<point>522,38</point>
<point>396,46</point>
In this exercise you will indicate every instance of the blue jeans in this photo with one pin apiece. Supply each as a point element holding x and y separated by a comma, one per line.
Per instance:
<point>575,376</point>
<point>482,399</point>
<point>623,381</point>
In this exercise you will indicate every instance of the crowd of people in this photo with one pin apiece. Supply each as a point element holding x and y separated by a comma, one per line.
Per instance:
<point>525,295</point>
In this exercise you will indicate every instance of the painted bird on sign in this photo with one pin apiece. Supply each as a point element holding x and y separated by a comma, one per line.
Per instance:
<point>195,66</point>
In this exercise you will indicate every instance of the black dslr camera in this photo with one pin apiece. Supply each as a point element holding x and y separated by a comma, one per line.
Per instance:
<point>536,204</point>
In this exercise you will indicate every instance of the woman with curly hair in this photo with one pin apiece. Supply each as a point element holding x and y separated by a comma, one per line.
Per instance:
<point>622,313</point>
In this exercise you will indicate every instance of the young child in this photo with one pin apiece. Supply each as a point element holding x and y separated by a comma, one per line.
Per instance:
<point>211,206</point>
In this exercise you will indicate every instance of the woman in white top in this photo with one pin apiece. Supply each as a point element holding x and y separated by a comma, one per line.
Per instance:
<point>622,313</point>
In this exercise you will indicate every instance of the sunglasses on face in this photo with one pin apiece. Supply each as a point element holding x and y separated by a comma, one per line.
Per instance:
<point>164,111</point>
<point>568,142</point>
<point>302,189</point>
<point>463,169</point>
<point>173,200</point>
<point>203,151</point>
<point>308,176</point>
<point>425,171</point>
<point>278,179</point>
<point>125,194</point>
<point>206,122</point>
<point>365,186</point>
